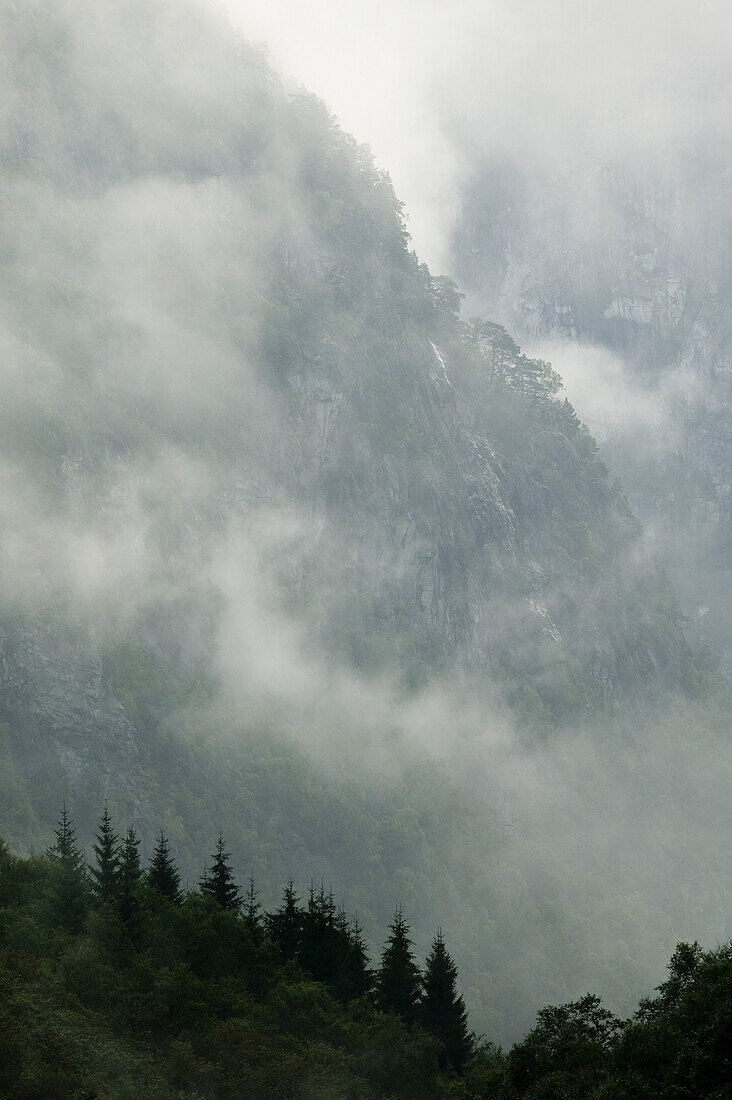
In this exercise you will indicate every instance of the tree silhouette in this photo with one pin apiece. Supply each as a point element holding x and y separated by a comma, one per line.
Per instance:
<point>218,882</point>
<point>285,925</point>
<point>442,1009</point>
<point>105,877</point>
<point>162,873</point>
<point>64,851</point>
<point>252,911</point>
<point>129,878</point>
<point>353,978</point>
<point>399,979</point>
<point>70,885</point>
<point>318,947</point>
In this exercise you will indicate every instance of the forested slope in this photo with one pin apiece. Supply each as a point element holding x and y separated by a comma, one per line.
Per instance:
<point>117,984</point>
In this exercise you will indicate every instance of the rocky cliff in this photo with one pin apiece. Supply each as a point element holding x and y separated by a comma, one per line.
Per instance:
<point>634,260</point>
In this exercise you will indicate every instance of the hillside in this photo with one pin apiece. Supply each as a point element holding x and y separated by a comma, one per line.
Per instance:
<point>129,988</point>
<point>291,548</point>
<point>631,259</point>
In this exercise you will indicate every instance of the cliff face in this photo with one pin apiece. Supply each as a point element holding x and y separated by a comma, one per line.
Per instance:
<point>637,262</point>
<point>223,322</point>
<point>55,698</point>
<point>276,521</point>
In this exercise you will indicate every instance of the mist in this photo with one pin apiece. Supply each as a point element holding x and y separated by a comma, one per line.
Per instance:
<point>164,477</point>
<point>558,86</point>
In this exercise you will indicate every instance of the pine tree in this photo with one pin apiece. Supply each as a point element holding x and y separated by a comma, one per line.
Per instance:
<point>318,948</point>
<point>361,976</point>
<point>285,925</point>
<point>70,885</point>
<point>399,979</point>
<point>162,874</point>
<point>353,978</point>
<point>65,851</point>
<point>442,1009</point>
<point>252,911</point>
<point>105,875</point>
<point>129,877</point>
<point>218,882</point>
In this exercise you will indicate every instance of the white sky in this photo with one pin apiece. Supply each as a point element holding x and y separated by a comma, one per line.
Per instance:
<point>427,82</point>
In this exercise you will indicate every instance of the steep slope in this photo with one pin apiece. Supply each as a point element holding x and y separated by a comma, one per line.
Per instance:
<point>219,306</point>
<point>273,513</point>
<point>634,260</point>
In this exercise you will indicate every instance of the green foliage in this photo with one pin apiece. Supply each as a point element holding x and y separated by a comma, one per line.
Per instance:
<point>105,874</point>
<point>442,1009</point>
<point>399,982</point>
<point>162,873</point>
<point>676,1045</point>
<point>193,1004</point>
<point>218,881</point>
<point>188,1002</point>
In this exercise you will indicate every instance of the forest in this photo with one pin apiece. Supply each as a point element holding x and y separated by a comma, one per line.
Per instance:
<point>118,982</point>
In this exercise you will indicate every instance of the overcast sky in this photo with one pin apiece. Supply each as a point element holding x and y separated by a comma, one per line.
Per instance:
<point>429,84</point>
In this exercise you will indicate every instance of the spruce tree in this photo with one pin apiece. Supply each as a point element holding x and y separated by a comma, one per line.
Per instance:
<point>285,925</point>
<point>318,948</point>
<point>129,877</point>
<point>361,977</point>
<point>105,875</point>
<point>69,894</point>
<point>218,882</point>
<point>353,978</point>
<point>399,979</point>
<point>162,874</point>
<point>64,852</point>
<point>442,1009</point>
<point>252,908</point>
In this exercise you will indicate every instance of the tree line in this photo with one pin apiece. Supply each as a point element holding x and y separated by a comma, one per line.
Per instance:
<point>318,936</point>
<point>117,982</point>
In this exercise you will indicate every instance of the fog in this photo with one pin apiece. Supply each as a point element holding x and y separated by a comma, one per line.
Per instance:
<point>548,84</point>
<point>149,460</point>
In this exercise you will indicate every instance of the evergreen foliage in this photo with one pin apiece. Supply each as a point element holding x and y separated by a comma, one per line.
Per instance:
<point>70,884</point>
<point>285,925</point>
<point>442,1009</point>
<point>105,873</point>
<point>218,882</point>
<point>194,1005</point>
<point>253,910</point>
<point>162,873</point>
<point>399,979</point>
<point>65,852</point>
<point>130,875</point>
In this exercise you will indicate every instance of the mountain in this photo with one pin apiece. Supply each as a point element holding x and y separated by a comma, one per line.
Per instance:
<point>631,259</point>
<point>290,547</point>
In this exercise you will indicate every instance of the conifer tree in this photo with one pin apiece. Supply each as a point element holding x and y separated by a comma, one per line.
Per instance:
<point>64,851</point>
<point>353,978</point>
<point>252,911</point>
<point>162,874</point>
<point>105,875</point>
<point>129,876</point>
<point>285,925</point>
<point>70,886</point>
<point>442,1009</point>
<point>318,948</point>
<point>218,882</point>
<point>399,979</point>
<point>361,976</point>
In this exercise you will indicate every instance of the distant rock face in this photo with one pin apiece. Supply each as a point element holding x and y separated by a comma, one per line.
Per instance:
<point>54,697</point>
<point>227,321</point>
<point>638,262</point>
